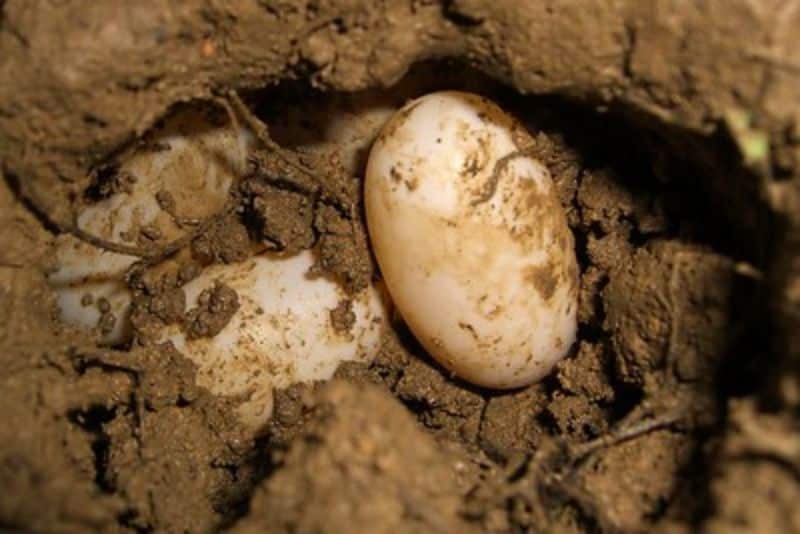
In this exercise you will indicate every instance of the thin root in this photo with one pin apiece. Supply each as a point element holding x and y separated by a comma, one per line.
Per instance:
<point>152,257</point>
<point>625,433</point>
<point>566,483</point>
<point>238,112</point>
<point>490,187</point>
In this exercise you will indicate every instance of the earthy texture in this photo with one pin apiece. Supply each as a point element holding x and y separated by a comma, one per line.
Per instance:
<point>672,132</point>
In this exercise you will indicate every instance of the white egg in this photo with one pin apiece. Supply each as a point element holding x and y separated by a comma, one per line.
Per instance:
<point>192,158</point>
<point>282,332</point>
<point>471,239</point>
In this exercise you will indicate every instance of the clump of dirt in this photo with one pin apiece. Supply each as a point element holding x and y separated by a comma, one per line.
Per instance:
<point>343,249</point>
<point>104,437</point>
<point>676,166</point>
<point>215,307</point>
<point>226,241</point>
<point>285,218</point>
<point>342,316</point>
<point>360,463</point>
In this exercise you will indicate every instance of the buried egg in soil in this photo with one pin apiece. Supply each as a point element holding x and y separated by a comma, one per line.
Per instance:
<point>471,239</point>
<point>251,326</point>
<point>267,323</point>
<point>182,171</point>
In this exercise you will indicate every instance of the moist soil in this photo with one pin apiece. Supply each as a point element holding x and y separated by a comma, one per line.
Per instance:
<point>672,133</point>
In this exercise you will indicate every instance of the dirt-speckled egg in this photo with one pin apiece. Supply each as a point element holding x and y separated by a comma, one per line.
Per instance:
<point>249,327</point>
<point>286,327</point>
<point>184,168</point>
<point>471,239</point>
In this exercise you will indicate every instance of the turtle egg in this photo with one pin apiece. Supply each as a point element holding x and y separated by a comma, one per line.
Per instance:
<point>250,327</point>
<point>189,163</point>
<point>471,239</point>
<point>281,331</point>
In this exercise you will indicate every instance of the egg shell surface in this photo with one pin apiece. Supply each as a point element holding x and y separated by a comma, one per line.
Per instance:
<point>193,159</point>
<point>471,239</point>
<point>282,332</point>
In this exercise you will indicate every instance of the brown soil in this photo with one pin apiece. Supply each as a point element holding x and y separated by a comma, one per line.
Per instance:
<point>673,134</point>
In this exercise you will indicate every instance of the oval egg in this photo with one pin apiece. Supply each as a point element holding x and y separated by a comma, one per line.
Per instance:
<point>471,239</point>
<point>282,330</point>
<point>275,323</point>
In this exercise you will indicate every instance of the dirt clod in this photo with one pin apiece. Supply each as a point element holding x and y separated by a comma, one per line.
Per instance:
<point>226,241</point>
<point>342,316</point>
<point>371,451</point>
<point>215,308</point>
<point>285,217</point>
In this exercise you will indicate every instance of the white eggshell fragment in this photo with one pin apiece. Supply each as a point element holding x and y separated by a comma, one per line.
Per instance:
<point>193,159</point>
<point>471,239</point>
<point>282,332</point>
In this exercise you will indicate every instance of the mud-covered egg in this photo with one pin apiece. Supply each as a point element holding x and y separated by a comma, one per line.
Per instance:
<point>249,327</point>
<point>183,168</point>
<point>287,326</point>
<point>471,239</point>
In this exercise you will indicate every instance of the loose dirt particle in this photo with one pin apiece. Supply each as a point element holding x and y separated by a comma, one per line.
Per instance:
<point>342,316</point>
<point>215,308</point>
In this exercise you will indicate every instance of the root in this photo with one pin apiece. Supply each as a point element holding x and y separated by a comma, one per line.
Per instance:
<point>152,257</point>
<point>624,433</point>
<point>490,187</point>
<point>235,108</point>
<point>773,60</point>
<point>104,244</point>
<point>238,112</point>
<point>566,484</point>
<point>239,115</point>
<point>551,472</point>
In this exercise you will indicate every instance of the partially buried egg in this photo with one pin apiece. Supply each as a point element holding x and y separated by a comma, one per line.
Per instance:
<point>471,239</point>
<point>249,327</point>
<point>182,170</point>
<point>273,324</point>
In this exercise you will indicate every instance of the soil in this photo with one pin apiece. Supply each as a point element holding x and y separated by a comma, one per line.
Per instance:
<point>672,133</point>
